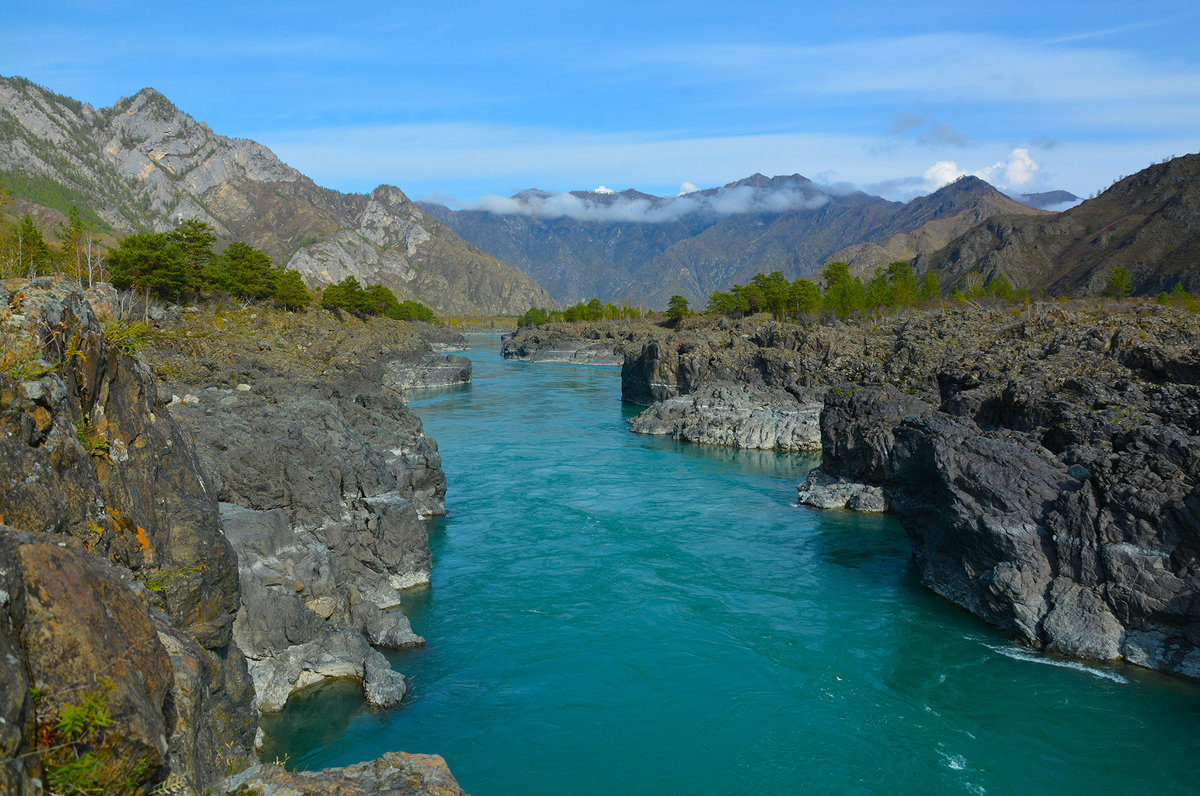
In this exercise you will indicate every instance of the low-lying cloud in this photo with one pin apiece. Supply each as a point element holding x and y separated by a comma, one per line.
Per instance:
<point>604,206</point>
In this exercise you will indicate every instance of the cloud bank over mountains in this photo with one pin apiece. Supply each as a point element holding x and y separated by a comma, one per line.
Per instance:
<point>604,205</point>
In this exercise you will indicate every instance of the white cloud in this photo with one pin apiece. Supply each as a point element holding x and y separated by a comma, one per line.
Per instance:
<point>714,203</point>
<point>1020,169</point>
<point>467,160</point>
<point>603,190</point>
<point>1016,171</point>
<point>686,188</point>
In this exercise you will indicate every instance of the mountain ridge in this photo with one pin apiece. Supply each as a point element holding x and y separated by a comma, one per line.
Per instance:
<point>1147,223</point>
<point>649,248</point>
<point>145,164</point>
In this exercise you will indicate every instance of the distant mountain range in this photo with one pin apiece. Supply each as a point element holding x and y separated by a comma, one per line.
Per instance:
<point>144,164</point>
<point>635,247</point>
<point>1148,223</point>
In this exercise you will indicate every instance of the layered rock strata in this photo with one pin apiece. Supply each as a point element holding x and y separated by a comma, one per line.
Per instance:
<point>724,413</point>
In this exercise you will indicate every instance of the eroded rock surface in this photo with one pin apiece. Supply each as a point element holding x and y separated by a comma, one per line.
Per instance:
<point>600,343</point>
<point>112,554</point>
<point>325,477</point>
<point>395,773</point>
<point>732,414</point>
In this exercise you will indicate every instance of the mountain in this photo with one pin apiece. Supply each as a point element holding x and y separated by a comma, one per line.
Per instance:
<point>1148,222</point>
<point>144,164</point>
<point>635,247</point>
<point>928,223</point>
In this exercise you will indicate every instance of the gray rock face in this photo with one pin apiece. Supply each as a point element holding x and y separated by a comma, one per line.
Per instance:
<point>396,774</point>
<point>111,553</point>
<point>822,491</point>
<point>1061,509</point>
<point>571,352</point>
<point>428,371</point>
<point>442,339</point>
<point>570,343</point>
<point>1045,463</point>
<point>324,486</point>
<point>308,614</point>
<point>730,414</point>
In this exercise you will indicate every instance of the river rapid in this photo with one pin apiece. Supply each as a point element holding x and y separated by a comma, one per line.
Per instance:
<point>612,613</point>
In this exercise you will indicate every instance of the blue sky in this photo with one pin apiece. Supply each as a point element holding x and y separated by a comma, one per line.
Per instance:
<point>457,100</point>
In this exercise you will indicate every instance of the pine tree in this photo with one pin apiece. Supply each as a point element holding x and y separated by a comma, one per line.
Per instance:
<point>290,291</point>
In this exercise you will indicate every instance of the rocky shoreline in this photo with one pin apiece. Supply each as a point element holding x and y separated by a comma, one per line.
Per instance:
<point>1043,459</point>
<point>202,546</point>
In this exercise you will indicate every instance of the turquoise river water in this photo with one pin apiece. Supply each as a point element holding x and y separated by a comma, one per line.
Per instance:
<point>613,613</point>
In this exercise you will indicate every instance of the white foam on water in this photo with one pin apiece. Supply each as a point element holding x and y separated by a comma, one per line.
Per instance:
<point>1033,657</point>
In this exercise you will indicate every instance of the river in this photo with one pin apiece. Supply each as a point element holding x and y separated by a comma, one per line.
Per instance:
<point>612,613</point>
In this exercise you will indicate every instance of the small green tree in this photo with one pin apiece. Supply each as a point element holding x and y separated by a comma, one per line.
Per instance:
<point>806,297</point>
<point>930,289</point>
<point>534,317</point>
<point>290,291</point>
<point>195,240</point>
<point>1119,283</point>
<point>999,287</point>
<point>879,293</point>
<point>903,283</point>
<point>29,255</point>
<point>244,271</point>
<point>844,293</point>
<point>73,238</point>
<point>346,295</point>
<point>677,309</point>
<point>149,262</point>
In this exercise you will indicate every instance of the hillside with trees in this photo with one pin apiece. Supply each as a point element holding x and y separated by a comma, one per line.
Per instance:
<point>142,165</point>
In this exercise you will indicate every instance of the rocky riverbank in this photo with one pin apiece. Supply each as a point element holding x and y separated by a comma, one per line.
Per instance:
<point>599,343</point>
<point>1043,459</point>
<point>190,550</point>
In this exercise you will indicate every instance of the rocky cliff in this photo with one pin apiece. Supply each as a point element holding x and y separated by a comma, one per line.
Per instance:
<point>143,163</point>
<point>1043,460</point>
<point>180,554</point>
<point>118,580</point>
<point>324,477</point>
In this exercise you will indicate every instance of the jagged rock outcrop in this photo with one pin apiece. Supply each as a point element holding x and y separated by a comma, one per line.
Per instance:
<point>118,579</point>
<point>732,414</point>
<point>324,476</point>
<point>144,163</point>
<point>1053,485</point>
<point>588,343</point>
<point>394,773</point>
<point>428,371</point>
<point>112,552</point>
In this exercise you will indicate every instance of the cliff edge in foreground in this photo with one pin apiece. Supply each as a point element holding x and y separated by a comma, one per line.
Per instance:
<point>127,616</point>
